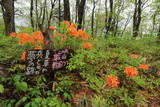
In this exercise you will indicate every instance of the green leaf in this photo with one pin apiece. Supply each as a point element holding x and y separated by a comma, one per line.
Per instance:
<point>23,99</point>
<point>1,88</point>
<point>21,86</point>
<point>17,78</point>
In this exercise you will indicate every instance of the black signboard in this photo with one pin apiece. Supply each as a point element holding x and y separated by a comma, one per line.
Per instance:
<point>45,61</point>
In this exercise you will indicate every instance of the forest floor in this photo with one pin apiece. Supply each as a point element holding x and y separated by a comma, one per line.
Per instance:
<point>111,72</point>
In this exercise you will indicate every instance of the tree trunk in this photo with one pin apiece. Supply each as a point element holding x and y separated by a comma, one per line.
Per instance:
<point>36,11</point>
<point>116,27</point>
<point>31,14</point>
<point>159,32</point>
<point>106,15</point>
<point>51,13</point>
<point>81,13</point>
<point>77,6</point>
<point>153,22</point>
<point>48,38</point>
<point>137,17</point>
<point>126,24</point>
<point>109,26</point>
<point>92,21</point>
<point>8,15</point>
<point>97,20</point>
<point>59,9</point>
<point>44,12</point>
<point>84,16</point>
<point>66,10</point>
<point>117,16</point>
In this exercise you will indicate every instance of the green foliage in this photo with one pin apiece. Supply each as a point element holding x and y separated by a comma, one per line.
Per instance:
<point>99,101</point>
<point>21,86</point>
<point>86,68</point>
<point>10,51</point>
<point>1,88</point>
<point>2,31</point>
<point>63,87</point>
<point>128,101</point>
<point>46,102</point>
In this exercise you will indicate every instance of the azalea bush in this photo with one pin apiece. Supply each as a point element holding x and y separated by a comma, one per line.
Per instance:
<point>112,72</point>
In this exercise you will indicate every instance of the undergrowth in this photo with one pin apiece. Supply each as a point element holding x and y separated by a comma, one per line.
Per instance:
<point>84,81</point>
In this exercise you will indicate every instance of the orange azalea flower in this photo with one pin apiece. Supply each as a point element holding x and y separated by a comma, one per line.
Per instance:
<point>133,55</point>
<point>67,23</point>
<point>24,37</point>
<point>85,37</point>
<point>87,45</point>
<point>51,27</point>
<point>62,39</point>
<point>23,57</point>
<point>73,25</point>
<point>144,66</point>
<point>131,71</point>
<point>81,32</point>
<point>38,37</point>
<point>13,34</point>
<point>21,42</point>
<point>112,81</point>
<point>73,31</point>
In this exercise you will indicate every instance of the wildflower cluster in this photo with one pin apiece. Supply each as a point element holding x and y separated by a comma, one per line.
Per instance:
<point>131,71</point>
<point>132,55</point>
<point>144,67</point>
<point>51,27</point>
<point>36,39</point>
<point>112,81</point>
<point>72,32</point>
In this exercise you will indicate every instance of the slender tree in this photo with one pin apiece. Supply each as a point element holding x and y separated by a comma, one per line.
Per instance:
<point>109,18</point>
<point>8,15</point>
<point>59,11</point>
<point>92,20</point>
<point>137,17</point>
<point>36,12</point>
<point>77,6</point>
<point>44,12</point>
<point>117,16</point>
<point>153,22</point>
<point>106,15</point>
<point>84,16</point>
<point>66,10</point>
<point>81,13</point>
<point>31,13</point>
<point>158,34</point>
<point>51,13</point>
<point>126,24</point>
<point>97,17</point>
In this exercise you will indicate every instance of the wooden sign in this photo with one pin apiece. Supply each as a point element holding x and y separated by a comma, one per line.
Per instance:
<point>45,61</point>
